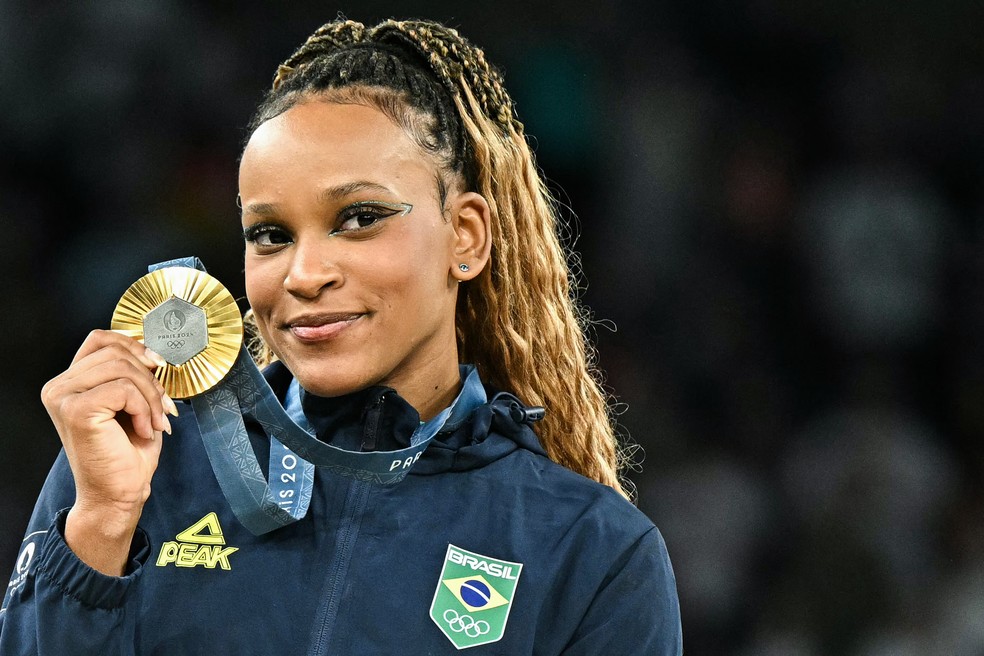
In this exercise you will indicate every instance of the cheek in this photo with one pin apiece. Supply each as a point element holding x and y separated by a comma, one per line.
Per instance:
<point>418,259</point>
<point>413,272</point>
<point>260,293</point>
<point>261,286</point>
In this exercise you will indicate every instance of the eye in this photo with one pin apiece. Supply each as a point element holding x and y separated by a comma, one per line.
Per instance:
<point>266,238</point>
<point>360,216</point>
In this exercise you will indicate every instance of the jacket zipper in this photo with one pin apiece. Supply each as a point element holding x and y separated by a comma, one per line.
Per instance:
<point>345,538</point>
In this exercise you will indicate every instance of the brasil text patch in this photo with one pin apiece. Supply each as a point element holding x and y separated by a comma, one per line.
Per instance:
<point>473,597</point>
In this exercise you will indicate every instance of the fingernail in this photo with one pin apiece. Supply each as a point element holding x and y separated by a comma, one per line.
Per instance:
<point>155,357</point>
<point>167,425</point>
<point>169,405</point>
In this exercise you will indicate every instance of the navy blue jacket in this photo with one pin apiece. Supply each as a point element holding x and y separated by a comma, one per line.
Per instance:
<point>359,573</point>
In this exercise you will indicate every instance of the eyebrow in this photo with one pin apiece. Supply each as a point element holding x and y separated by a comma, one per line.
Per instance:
<point>331,194</point>
<point>341,191</point>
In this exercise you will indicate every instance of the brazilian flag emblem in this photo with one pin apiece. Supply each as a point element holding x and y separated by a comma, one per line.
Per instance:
<point>473,597</point>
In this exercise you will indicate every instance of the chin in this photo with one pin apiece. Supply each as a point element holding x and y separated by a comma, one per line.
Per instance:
<point>331,379</point>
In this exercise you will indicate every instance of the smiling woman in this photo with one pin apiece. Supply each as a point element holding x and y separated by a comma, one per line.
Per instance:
<point>405,277</point>
<point>351,264</point>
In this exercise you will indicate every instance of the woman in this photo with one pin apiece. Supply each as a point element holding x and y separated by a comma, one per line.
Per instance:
<point>395,225</point>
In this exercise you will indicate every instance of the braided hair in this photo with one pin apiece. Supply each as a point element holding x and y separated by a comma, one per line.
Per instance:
<point>518,321</point>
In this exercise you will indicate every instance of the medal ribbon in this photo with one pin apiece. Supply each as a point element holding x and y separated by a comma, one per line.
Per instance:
<point>261,505</point>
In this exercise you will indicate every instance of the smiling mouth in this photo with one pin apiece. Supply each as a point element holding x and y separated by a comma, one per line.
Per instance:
<point>316,328</point>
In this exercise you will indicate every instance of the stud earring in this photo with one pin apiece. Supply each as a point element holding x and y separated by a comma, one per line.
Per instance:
<point>463,267</point>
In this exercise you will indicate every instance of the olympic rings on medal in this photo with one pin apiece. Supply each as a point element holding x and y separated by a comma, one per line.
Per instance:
<point>459,623</point>
<point>176,343</point>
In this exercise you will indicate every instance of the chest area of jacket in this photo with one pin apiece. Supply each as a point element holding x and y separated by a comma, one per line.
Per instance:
<point>322,587</point>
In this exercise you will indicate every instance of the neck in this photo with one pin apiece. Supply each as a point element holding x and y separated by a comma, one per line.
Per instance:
<point>432,396</point>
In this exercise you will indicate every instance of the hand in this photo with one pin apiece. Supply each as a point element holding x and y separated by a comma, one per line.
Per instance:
<point>109,412</point>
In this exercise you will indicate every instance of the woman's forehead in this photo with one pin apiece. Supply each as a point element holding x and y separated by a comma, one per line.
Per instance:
<point>318,123</point>
<point>339,142</point>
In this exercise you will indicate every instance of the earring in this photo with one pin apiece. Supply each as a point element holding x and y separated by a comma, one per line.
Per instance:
<point>463,267</point>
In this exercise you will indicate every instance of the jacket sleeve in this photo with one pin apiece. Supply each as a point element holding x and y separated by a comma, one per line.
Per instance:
<point>55,603</point>
<point>636,610</point>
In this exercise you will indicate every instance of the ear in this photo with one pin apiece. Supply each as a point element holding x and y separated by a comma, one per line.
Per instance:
<point>471,219</point>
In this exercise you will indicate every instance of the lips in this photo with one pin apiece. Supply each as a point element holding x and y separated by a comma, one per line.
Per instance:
<point>319,327</point>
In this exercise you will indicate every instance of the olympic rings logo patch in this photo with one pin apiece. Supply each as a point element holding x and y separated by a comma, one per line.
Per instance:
<point>176,344</point>
<point>473,597</point>
<point>465,623</point>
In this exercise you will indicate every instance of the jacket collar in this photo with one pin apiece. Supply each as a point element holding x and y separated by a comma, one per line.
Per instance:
<point>472,432</point>
<point>379,419</point>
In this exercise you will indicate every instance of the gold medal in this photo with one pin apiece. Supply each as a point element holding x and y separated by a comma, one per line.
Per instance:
<point>190,319</point>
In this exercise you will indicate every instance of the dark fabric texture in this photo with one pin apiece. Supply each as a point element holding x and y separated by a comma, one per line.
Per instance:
<point>359,573</point>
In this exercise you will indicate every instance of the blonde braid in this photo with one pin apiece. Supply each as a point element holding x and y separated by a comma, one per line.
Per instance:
<point>332,36</point>
<point>520,322</point>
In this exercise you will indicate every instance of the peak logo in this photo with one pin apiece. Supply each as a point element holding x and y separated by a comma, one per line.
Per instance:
<point>201,544</point>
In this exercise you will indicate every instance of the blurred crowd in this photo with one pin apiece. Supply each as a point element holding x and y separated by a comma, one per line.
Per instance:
<point>777,210</point>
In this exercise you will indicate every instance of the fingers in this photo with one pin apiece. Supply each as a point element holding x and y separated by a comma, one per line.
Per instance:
<point>99,339</point>
<point>133,349</point>
<point>109,411</point>
<point>110,364</point>
<point>90,411</point>
<point>119,371</point>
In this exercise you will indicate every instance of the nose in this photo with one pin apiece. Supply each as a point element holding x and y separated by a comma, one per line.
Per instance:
<point>312,268</point>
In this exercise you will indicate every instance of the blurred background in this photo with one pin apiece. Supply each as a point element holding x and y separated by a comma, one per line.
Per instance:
<point>777,206</point>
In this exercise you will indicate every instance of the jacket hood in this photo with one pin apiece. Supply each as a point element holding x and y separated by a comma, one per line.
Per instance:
<point>379,419</point>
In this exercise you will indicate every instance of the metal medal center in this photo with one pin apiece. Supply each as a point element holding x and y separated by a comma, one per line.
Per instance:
<point>177,330</point>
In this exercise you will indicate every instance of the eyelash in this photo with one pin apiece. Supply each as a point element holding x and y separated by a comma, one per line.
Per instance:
<point>376,210</point>
<point>255,232</point>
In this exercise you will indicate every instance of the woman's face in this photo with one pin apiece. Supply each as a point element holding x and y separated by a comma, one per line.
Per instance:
<point>351,265</point>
